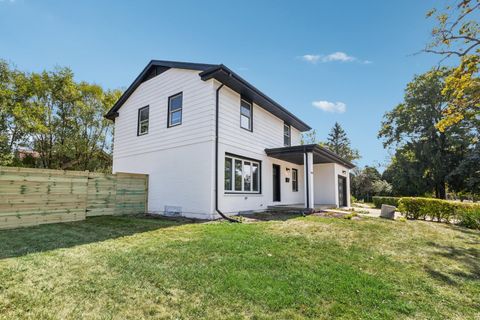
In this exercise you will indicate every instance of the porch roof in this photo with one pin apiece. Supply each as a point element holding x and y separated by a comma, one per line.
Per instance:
<point>294,154</point>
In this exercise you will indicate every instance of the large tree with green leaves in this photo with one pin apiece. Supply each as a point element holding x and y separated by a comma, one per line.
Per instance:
<point>411,128</point>
<point>52,114</point>
<point>457,34</point>
<point>338,142</point>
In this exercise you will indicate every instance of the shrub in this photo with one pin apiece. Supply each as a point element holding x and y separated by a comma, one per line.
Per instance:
<point>378,201</point>
<point>421,208</point>
<point>465,214</point>
<point>469,216</point>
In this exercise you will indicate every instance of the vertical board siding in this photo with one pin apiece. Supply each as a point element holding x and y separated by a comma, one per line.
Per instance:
<point>31,197</point>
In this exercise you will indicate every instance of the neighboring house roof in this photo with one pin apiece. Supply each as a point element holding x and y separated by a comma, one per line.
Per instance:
<point>212,71</point>
<point>295,154</point>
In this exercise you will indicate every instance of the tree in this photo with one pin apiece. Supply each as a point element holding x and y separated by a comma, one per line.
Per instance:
<point>309,137</point>
<point>52,114</point>
<point>457,35</point>
<point>411,127</point>
<point>406,174</point>
<point>339,143</point>
<point>362,182</point>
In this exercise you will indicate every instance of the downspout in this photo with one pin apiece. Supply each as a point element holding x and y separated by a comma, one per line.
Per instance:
<point>306,180</point>
<point>217,108</point>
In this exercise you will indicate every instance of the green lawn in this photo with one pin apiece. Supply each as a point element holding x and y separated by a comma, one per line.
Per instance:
<point>133,268</point>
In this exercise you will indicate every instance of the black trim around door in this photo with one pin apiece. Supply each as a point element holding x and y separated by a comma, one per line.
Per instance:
<point>276,180</point>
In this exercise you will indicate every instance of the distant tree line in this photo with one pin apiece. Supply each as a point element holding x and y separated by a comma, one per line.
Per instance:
<point>49,120</point>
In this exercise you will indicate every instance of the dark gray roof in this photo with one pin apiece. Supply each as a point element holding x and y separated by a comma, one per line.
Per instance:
<point>212,71</point>
<point>294,154</point>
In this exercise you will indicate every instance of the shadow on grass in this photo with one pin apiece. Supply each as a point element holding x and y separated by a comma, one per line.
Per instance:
<point>272,216</point>
<point>22,241</point>
<point>468,258</point>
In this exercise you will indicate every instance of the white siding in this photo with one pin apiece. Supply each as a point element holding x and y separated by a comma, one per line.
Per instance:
<point>325,177</point>
<point>179,159</point>
<point>267,133</point>
<point>198,115</point>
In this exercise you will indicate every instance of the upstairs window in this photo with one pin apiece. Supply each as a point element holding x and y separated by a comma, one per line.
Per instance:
<point>246,115</point>
<point>294,180</point>
<point>175,103</point>
<point>142,124</point>
<point>287,140</point>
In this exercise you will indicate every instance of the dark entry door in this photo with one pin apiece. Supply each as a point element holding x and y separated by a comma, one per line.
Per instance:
<point>342,191</point>
<point>276,182</point>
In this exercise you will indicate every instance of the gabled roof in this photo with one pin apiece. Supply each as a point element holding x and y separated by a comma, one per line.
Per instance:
<point>153,68</point>
<point>212,71</point>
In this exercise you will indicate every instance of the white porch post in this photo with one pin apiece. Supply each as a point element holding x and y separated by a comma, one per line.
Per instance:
<point>308,180</point>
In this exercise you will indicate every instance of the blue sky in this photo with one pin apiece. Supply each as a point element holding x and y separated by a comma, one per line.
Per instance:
<point>345,61</point>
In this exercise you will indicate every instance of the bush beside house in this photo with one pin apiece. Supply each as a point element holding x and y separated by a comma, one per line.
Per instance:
<point>378,201</point>
<point>465,214</point>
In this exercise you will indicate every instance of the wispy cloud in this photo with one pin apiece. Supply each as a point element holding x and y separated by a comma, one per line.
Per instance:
<point>338,56</point>
<point>312,58</point>
<point>332,57</point>
<point>334,107</point>
<point>8,1</point>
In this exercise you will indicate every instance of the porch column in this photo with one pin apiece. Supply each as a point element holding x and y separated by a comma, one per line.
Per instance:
<point>308,180</point>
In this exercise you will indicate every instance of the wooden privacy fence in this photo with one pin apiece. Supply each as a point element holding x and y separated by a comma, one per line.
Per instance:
<point>36,196</point>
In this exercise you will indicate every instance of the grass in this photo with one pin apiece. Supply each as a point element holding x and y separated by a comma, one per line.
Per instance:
<point>292,268</point>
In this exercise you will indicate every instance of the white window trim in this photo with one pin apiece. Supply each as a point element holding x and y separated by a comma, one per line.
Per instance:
<point>243,191</point>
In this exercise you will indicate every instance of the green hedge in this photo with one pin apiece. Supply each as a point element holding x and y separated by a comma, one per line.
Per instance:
<point>465,214</point>
<point>378,201</point>
<point>469,216</point>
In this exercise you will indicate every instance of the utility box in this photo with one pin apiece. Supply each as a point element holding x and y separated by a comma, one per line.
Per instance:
<point>388,212</point>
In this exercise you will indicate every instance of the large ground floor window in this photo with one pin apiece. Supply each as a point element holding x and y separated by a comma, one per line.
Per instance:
<point>242,175</point>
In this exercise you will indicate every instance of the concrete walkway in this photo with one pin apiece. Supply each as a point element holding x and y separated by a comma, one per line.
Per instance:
<point>372,212</point>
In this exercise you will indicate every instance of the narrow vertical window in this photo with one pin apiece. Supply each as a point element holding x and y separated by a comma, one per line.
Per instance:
<point>246,115</point>
<point>238,175</point>
<point>247,176</point>
<point>142,125</point>
<point>228,174</point>
<point>287,135</point>
<point>175,104</point>
<point>294,180</point>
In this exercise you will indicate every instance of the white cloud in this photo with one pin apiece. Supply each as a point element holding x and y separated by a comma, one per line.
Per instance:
<point>335,107</point>
<point>312,58</point>
<point>338,56</point>
<point>332,57</point>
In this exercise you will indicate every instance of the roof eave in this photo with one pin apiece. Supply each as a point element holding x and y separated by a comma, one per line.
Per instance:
<point>221,72</point>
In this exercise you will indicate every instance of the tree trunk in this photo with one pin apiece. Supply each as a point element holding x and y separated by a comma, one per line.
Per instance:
<point>440,191</point>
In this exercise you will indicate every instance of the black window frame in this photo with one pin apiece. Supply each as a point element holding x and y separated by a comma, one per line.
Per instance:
<point>251,114</point>
<point>243,159</point>
<point>294,181</point>
<point>138,121</point>
<point>289,137</point>
<point>169,120</point>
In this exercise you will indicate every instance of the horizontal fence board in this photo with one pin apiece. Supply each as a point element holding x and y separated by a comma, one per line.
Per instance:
<point>31,197</point>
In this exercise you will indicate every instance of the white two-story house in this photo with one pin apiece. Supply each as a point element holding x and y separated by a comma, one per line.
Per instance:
<point>213,144</point>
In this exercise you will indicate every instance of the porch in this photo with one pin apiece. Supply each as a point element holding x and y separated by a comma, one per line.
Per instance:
<point>326,177</point>
<point>298,207</point>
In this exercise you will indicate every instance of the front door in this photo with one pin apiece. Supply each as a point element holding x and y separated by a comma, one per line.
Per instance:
<point>276,182</point>
<point>342,191</point>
